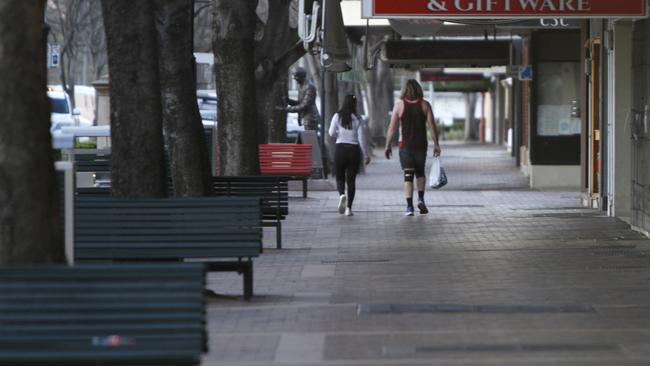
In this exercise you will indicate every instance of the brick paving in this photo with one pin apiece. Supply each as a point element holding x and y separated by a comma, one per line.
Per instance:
<point>496,274</point>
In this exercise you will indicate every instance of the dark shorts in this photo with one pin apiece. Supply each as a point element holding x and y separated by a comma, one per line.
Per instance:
<point>413,159</point>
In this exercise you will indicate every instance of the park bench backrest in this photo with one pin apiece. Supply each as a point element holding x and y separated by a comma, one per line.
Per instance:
<point>92,162</point>
<point>102,315</point>
<point>167,228</point>
<point>285,159</point>
<point>274,192</point>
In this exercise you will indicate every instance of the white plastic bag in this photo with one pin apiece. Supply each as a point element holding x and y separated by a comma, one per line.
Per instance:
<point>437,176</point>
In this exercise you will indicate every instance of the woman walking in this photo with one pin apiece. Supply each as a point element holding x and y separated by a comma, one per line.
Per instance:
<point>348,130</point>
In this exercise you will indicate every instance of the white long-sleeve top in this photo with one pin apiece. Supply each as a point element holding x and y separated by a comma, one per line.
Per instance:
<point>344,136</point>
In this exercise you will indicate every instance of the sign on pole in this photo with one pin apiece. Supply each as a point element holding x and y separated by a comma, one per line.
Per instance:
<point>513,9</point>
<point>53,55</point>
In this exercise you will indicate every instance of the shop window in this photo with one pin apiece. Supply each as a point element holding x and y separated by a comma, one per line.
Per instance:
<point>558,92</point>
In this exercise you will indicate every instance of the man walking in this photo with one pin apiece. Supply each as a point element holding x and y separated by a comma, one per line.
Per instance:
<point>305,106</point>
<point>413,113</point>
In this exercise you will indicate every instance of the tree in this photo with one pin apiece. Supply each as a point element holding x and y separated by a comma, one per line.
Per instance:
<point>94,40</point>
<point>277,47</point>
<point>188,154</point>
<point>379,91</point>
<point>30,230</point>
<point>331,100</point>
<point>471,123</point>
<point>233,44</point>
<point>136,122</point>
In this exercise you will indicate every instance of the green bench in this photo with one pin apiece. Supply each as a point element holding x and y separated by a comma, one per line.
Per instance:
<point>274,192</point>
<point>223,232</point>
<point>102,315</point>
<point>92,162</point>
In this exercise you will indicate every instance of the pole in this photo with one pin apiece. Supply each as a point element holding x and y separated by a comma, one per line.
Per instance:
<point>322,92</point>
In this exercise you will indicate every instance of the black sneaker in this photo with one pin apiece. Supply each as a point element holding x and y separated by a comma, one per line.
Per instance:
<point>423,208</point>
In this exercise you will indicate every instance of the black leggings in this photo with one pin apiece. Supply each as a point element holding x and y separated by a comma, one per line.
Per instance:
<point>347,158</point>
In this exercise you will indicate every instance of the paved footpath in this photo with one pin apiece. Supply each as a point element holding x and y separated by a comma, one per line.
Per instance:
<point>495,275</point>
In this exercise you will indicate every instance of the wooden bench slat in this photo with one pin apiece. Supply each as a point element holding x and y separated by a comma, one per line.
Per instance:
<point>291,160</point>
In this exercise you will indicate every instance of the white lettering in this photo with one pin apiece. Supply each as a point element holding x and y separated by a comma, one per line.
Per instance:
<point>458,6</point>
<point>489,4</point>
<point>584,5</point>
<point>567,5</point>
<point>547,4</point>
<point>507,5</point>
<point>562,23</point>
<point>526,3</point>
<point>437,5</point>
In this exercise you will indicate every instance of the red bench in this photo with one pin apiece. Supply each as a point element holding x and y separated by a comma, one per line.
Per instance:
<point>291,160</point>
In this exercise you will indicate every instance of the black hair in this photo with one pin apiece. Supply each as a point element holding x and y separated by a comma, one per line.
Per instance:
<point>348,108</point>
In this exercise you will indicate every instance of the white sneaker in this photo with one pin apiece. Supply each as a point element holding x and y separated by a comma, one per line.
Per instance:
<point>342,202</point>
<point>348,212</point>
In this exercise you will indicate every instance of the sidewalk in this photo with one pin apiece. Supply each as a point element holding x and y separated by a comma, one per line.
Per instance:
<point>494,275</point>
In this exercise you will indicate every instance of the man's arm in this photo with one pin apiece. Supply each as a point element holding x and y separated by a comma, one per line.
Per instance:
<point>434,131</point>
<point>392,128</point>
<point>307,100</point>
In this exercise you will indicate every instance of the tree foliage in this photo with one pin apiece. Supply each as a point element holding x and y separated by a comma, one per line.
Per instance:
<point>77,26</point>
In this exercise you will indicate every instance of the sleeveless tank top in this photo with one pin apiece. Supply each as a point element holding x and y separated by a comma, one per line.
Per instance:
<point>414,126</point>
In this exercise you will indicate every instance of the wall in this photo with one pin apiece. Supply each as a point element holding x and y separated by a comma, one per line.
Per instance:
<point>622,159</point>
<point>555,177</point>
<point>640,121</point>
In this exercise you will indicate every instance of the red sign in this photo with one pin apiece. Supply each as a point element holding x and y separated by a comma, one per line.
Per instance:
<point>504,8</point>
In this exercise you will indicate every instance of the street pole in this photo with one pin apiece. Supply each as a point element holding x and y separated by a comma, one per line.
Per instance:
<point>322,91</point>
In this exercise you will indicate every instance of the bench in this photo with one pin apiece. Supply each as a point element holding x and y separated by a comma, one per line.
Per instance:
<point>291,160</point>
<point>102,315</point>
<point>272,190</point>
<point>223,232</point>
<point>92,162</point>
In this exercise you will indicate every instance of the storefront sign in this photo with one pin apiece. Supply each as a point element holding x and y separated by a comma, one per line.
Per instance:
<point>543,23</point>
<point>504,9</point>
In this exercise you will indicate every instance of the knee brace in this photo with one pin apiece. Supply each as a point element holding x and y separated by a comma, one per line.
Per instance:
<point>408,175</point>
<point>419,173</point>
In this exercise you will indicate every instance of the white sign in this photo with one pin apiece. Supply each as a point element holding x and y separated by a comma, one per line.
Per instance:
<point>53,55</point>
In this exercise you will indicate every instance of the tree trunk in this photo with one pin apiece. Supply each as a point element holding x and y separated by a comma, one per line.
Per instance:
<point>276,49</point>
<point>233,44</point>
<point>188,153</point>
<point>471,130</point>
<point>379,90</point>
<point>30,228</point>
<point>271,120</point>
<point>331,107</point>
<point>138,168</point>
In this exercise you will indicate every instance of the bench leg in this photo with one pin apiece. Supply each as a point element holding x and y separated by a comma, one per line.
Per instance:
<point>278,235</point>
<point>304,188</point>
<point>248,280</point>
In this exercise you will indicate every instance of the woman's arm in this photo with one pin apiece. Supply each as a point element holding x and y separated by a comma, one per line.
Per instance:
<point>334,125</point>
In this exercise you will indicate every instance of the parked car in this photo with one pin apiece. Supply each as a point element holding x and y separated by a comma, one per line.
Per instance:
<point>62,114</point>
<point>207,102</point>
<point>292,127</point>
